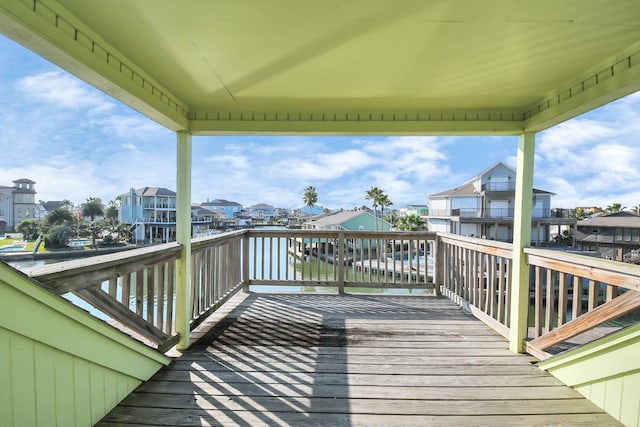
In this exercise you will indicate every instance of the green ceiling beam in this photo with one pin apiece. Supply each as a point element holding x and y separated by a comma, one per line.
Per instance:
<point>610,80</point>
<point>53,33</point>
<point>354,124</point>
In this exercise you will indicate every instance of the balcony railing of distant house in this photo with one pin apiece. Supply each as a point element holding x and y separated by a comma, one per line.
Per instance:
<point>499,186</point>
<point>569,294</point>
<point>170,206</point>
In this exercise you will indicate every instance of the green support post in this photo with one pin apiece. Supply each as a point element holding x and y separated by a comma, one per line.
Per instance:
<point>521,239</point>
<point>183,235</point>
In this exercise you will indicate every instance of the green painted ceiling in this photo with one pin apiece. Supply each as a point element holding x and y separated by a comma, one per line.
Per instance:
<point>343,67</point>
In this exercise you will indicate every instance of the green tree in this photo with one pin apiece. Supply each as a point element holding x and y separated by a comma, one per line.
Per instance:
<point>59,216</point>
<point>58,237</point>
<point>412,222</point>
<point>28,228</point>
<point>310,198</point>
<point>579,214</point>
<point>613,208</point>
<point>636,209</point>
<point>392,218</point>
<point>111,214</point>
<point>565,238</point>
<point>91,209</point>
<point>66,204</point>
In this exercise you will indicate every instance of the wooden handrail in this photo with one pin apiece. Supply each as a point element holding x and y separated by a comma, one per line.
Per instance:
<point>601,270</point>
<point>613,309</point>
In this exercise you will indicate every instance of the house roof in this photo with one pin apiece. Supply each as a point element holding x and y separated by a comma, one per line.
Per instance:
<point>621,219</point>
<point>153,191</point>
<point>468,189</point>
<point>339,217</point>
<point>260,206</point>
<point>343,67</point>
<point>52,204</point>
<point>220,202</point>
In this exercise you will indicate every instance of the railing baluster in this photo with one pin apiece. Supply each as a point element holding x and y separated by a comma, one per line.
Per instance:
<point>537,294</point>
<point>549,300</point>
<point>593,295</point>
<point>577,297</point>
<point>160,305</point>
<point>563,293</point>
<point>169,328</point>
<point>139,292</point>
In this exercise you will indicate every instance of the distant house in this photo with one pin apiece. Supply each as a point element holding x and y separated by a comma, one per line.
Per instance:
<point>17,203</point>
<point>484,207</point>
<point>349,221</point>
<point>420,210</point>
<point>45,207</point>
<point>614,236</point>
<point>262,212</point>
<point>231,209</point>
<point>151,213</point>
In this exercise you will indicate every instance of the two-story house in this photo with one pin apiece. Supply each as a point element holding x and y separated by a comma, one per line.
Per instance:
<point>230,208</point>
<point>17,203</point>
<point>151,213</point>
<point>615,236</point>
<point>483,207</point>
<point>262,212</point>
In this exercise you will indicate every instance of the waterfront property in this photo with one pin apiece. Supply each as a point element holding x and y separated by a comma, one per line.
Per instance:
<point>615,236</point>
<point>395,67</point>
<point>484,207</point>
<point>17,203</point>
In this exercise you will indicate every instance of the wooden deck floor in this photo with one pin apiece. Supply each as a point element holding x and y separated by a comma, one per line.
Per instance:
<point>352,360</point>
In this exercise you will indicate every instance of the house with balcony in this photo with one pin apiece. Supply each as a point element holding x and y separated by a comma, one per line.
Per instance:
<point>151,214</point>
<point>615,236</point>
<point>345,357</point>
<point>230,208</point>
<point>261,212</point>
<point>17,203</point>
<point>484,207</point>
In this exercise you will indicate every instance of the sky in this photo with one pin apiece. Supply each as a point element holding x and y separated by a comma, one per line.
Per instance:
<point>76,142</point>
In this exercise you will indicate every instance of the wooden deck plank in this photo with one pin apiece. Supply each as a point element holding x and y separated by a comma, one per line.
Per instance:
<point>319,360</point>
<point>189,418</point>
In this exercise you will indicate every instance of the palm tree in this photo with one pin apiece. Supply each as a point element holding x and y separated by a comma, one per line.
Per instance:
<point>93,208</point>
<point>310,198</point>
<point>636,209</point>
<point>613,208</point>
<point>579,214</point>
<point>374,194</point>
<point>59,216</point>
<point>383,202</point>
<point>111,214</point>
<point>411,222</point>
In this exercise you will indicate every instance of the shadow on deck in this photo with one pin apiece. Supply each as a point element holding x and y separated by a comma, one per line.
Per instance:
<point>351,360</point>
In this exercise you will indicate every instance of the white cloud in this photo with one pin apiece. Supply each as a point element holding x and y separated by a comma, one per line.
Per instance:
<point>62,90</point>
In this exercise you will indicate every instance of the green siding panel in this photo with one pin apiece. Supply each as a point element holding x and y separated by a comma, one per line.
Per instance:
<point>607,372</point>
<point>58,364</point>
<point>6,394</point>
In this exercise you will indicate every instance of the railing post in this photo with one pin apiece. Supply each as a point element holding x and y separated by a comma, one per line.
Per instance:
<point>521,239</point>
<point>183,236</point>
<point>438,264</point>
<point>341,246</point>
<point>245,263</point>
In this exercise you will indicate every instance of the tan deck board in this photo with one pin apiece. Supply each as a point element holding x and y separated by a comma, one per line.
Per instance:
<point>329,360</point>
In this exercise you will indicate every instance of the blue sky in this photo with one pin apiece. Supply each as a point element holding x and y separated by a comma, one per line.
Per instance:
<point>77,142</point>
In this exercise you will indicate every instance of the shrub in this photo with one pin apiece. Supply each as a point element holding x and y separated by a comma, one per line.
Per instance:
<point>58,237</point>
